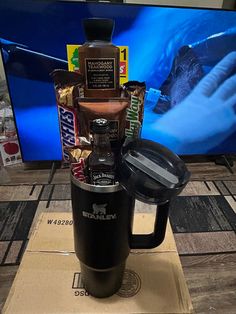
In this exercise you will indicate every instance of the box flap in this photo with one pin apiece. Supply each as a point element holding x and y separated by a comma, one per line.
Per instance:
<point>51,283</point>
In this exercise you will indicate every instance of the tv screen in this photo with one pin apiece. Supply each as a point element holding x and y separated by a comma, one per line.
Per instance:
<point>172,49</point>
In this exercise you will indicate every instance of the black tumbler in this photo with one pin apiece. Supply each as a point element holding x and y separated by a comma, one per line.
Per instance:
<point>103,215</point>
<point>103,219</point>
<point>102,229</point>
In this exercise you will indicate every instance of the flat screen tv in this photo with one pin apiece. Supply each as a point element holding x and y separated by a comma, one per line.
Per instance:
<point>172,49</point>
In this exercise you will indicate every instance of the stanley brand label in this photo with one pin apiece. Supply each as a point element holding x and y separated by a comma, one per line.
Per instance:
<point>99,213</point>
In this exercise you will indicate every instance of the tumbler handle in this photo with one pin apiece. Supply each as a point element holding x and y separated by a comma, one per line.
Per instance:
<point>149,241</point>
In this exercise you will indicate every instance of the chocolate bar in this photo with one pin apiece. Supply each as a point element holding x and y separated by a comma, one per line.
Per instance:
<point>134,116</point>
<point>68,86</point>
<point>77,157</point>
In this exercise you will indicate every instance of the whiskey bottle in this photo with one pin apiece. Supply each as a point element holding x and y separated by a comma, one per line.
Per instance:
<point>101,163</point>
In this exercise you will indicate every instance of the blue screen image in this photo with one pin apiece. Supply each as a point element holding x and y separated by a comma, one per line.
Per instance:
<point>171,49</point>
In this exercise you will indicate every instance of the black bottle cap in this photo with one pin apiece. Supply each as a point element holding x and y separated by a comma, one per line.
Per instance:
<point>98,29</point>
<point>100,126</point>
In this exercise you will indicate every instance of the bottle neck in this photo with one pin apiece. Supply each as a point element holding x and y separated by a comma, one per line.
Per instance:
<point>101,143</point>
<point>98,42</point>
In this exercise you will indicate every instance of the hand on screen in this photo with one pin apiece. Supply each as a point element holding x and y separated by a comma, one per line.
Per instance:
<point>206,117</point>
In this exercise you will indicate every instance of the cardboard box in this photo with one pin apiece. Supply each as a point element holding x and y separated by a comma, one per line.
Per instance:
<point>49,279</point>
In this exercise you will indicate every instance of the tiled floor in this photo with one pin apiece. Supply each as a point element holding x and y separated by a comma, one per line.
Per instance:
<point>203,217</point>
<point>204,236</point>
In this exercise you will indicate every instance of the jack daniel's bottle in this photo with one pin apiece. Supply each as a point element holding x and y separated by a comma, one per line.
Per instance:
<point>101,164</point>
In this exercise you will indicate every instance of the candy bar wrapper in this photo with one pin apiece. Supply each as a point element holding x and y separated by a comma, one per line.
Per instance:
<point>68,120</point>
<point>134,115</point>
<point>76,112</point>
<point>78,157</point>
<point>77,170</point>
<point>114,110</point>
<point>76,153</point>
<point>68,86</point>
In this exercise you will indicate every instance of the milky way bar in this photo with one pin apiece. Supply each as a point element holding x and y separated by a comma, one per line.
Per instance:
<point>134,113</point>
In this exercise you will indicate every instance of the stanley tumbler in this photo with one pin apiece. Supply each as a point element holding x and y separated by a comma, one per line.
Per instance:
<point>103,215</point>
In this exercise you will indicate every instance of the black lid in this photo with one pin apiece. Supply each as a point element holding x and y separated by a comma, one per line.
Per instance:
<point>150,172</point>
<point>98,29</point>
<point>100,126</point>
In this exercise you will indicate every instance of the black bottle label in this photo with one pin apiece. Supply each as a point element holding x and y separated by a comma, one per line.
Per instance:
<point>113,129</point>
<point>100,73</point>
<point>102,178</point>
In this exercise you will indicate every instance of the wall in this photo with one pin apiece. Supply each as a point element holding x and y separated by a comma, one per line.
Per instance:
<point>229,4</point>
<point>190,3</point>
